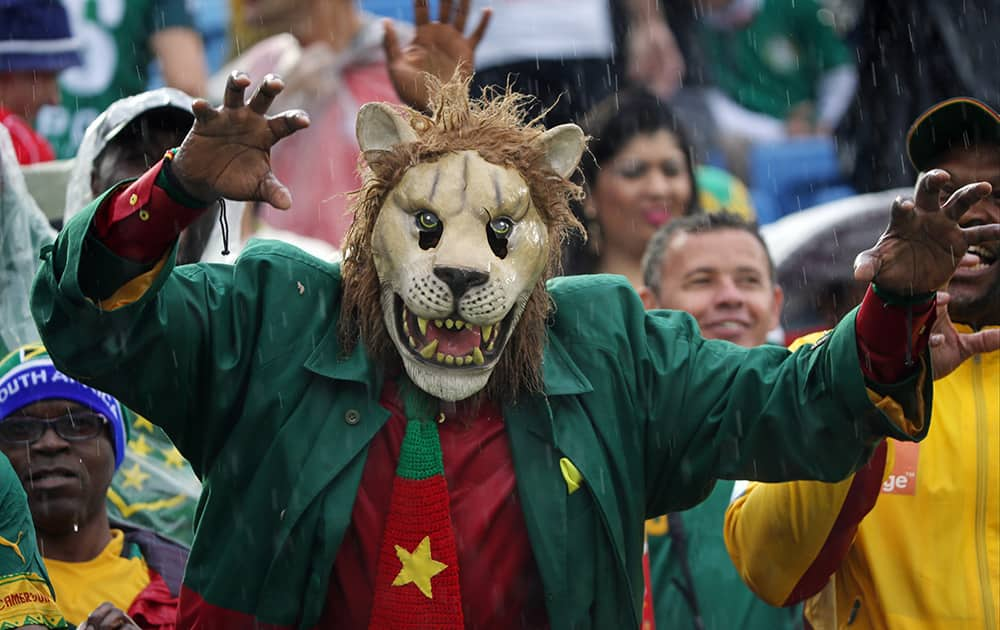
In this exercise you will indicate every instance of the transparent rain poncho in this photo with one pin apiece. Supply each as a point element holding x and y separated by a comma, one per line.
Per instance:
<point>24,230</point>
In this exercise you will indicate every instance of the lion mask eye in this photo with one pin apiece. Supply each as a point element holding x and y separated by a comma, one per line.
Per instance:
<point>430,227</point>
<point>497,233</point>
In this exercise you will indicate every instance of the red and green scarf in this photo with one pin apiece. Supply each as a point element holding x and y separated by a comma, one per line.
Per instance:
<point>416,584</point>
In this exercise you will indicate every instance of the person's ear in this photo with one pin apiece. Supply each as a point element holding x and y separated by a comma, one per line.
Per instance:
<point>648,298</point>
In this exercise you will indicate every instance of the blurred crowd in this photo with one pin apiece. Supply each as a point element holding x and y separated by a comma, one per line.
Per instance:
<point>738,155</point>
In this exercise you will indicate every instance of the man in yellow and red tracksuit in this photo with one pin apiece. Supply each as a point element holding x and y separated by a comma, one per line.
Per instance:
<point>913,539</point>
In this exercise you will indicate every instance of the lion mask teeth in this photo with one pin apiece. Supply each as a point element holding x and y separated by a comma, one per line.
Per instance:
<point>451,341</point>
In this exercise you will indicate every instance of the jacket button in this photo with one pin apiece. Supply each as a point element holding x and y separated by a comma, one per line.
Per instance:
<point>352,416</point>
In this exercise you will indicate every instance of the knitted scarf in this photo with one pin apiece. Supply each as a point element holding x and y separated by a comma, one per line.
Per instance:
<point>416,583</point>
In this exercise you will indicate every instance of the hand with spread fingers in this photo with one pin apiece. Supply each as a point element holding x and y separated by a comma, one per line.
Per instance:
<point>227,152</point>
<point>949,348</point>
<point>438,48</point>
<point>108,617</point>
<point>924,242</point>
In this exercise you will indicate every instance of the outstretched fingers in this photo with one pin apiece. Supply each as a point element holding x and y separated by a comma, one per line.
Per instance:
<point>461,15</point>
<point>477,35</point>
<point>983,341</point>
<point>203,110</point>
<point>901,210</point>
<point>236,85</point>
<point>390,42</point>
<point>274,192</point>
<point>964,198</point>
<point>943,321</point>
<point>982,233</point>
<point>927,192</point>
<point>444,13</point>
<point>421,12</point>
<point>269,88</point>
<point>287,123</point>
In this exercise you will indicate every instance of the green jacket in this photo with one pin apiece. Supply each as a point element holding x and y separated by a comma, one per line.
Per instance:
<point>242,367</point>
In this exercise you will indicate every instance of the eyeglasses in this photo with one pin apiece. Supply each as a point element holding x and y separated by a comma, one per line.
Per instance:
<point>74,427</point>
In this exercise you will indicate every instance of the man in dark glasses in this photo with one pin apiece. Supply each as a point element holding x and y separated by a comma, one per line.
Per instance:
<point>64,441</point>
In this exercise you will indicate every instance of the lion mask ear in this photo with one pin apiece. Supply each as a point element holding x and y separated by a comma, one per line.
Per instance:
<point>563,145</point>
<point>380,128</point>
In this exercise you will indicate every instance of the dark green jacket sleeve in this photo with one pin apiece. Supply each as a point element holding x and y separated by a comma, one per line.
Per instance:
<point>701,410</point>
<point>763,413</point>
<point>183,353</point>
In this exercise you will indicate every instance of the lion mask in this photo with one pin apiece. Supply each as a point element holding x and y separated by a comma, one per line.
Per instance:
<point>461,219</point>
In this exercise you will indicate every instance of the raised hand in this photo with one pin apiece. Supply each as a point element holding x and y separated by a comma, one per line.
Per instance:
<point>438,48</point>
<point>924,243</point>
<point>949,348</point>
<point>227,152</point>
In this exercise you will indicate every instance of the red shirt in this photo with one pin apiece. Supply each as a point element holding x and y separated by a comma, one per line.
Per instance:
<point>29,147</point>
<point>500,583</point>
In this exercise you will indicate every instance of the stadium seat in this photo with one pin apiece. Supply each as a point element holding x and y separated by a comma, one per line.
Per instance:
<point>788,176</point>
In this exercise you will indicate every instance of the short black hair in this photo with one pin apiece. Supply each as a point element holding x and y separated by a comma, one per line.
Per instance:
<point>700,223</point>
<point>622,116</point>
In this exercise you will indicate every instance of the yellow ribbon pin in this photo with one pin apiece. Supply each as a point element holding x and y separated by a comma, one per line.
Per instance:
<point>571,475</point>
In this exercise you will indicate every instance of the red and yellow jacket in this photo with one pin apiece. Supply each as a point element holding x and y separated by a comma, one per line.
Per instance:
<point>926,554</point>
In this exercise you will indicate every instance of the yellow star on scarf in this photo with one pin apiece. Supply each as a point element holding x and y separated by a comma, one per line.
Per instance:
<point>139,446</point>
<point>418,567</point>
<point>142,423</point>
<point>134,477</point>
<point>173,457</point>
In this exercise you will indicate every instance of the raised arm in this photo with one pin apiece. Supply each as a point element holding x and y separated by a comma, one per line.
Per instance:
<point>786,540</point>
<point>112,310</point>
<point>769,415</point>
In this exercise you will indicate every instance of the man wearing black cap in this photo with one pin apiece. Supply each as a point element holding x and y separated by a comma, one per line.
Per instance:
<point>912,540</point>
<point>35,45</point>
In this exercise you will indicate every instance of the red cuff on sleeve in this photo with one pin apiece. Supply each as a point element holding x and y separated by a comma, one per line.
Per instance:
<point>881,336</point>
<point>141,221</point>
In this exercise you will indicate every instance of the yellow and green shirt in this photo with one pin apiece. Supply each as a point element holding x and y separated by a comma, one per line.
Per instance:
<point>26,597</point>
<point>110,577</point>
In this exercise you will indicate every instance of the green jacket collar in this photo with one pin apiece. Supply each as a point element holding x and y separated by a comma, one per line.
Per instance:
<point>328,360</point>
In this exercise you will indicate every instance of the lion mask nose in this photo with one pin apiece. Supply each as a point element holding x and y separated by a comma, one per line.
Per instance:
<point>460,280</point>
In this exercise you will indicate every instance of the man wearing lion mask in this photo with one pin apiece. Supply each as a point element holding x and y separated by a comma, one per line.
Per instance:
<point>432,434</point>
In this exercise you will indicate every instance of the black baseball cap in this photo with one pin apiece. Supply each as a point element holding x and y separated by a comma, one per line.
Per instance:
<point>953,123</point>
